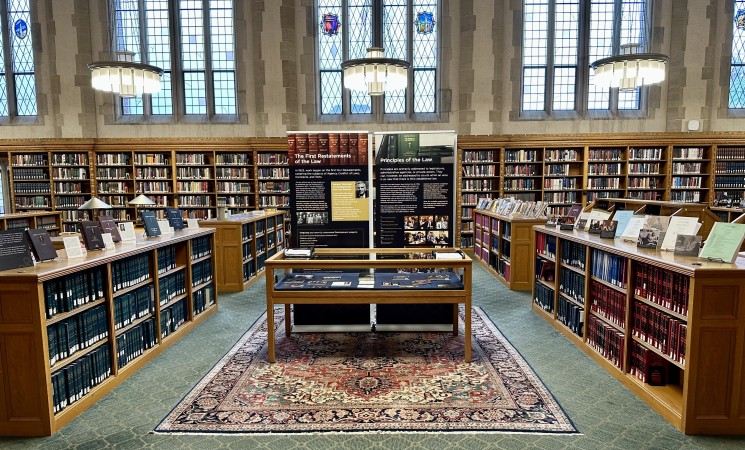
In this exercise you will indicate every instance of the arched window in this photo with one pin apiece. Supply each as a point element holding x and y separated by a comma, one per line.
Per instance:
<point>17,79</point>
<point>560,40</point>
<point>737,60</point>
<point>198,61</point>
<point>407,30</point>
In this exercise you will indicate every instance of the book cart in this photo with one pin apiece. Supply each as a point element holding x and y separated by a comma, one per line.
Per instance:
<point>368,276</point>
<point>504,245</point>
<point>243,242</point>
<point>670,328</point>
<point>72,330</point>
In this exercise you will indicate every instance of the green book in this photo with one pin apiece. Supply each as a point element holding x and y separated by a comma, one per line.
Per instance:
<point>724,242</point>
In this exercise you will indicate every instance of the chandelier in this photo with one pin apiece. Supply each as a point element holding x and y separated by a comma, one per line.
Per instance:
<point>375,74</point>
<point>629,70</point>
<point>123,75</point>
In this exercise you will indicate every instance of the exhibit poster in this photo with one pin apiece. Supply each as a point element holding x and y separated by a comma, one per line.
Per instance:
<point>414,207</point>
<point>330,187</point>
<point>330,206</point>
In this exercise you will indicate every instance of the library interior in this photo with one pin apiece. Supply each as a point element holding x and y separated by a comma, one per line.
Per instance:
<point>392,224</point>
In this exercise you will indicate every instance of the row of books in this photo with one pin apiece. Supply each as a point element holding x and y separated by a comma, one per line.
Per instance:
<point>663,287</point>
<point>274,201</point>
<point>156,187</point>
<point>129,271</point>
<point>560,155</point>
<point>232,159</point>
<point>191,158</point>
<point>233,173</point>
<point>559,169</point>
<point>32,202</point>
<point>510,206</point>
<point>273,172</point>
<point>201,272</point>
<point>195,200</point>
<point>641,182</point>
<point>152,158</point>
<point>477,156</point>
<point>74,215</point>
<point>171,286</point>
<point>76,333</point>
<point>573,254</point>
<point>687,168</point>
<point>606,340</point>
<point>69,201</point>
<point>64,294</point>
<point>729,182</point>
<point>545,245</point>
<point>113,187</point>
<point>121,201</point>
<point>157,173</point>
<point>172,317</point>
<point>645,153</point>
<point>200,247</point>
<point>651,368</point>
<point>685,182</point>
<point>134,342</point>
<point>249,269</point>
<point>133,305</point>
<point>603,183</point>
<point>544,297</point>
<point>335,149</point>
<point>521,170</point>
<point>279,159</point>
<point>203,299</point>
<point>523,184</point>
<point>613,154</point>
<point>112,159</point>
<point>76,379</point>
<point>29,159</point>
<point>686,197</point>
<point>194,186</point>
<point>479,170</point>
<point>520,155</point>
<point>608,302</point>
<point>688,153</point>
<point>604,169</point>
<point>609,268</point>
<point>70,173</point>
<point>572,284</point>
<point>544,270</point>
<point>30,174</point>
<point>194,173</point>
<point>560,198</point>
<point>31,188</point>
<point>571,315</point>
<point>663,332</point>
<point>644,168</point>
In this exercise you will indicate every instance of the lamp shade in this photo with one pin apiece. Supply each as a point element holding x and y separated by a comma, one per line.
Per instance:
<point>141,200</point>
<point>375,74</point>
<point>95,203</point>
<point>629,71</point>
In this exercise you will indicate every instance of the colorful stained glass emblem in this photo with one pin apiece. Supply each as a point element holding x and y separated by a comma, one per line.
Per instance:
<point>425,22</point>
<point>330,24</point>
<point>20,28</point>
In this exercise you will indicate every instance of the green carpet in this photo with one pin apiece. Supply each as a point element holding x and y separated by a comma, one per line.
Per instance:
<point>606,413</point>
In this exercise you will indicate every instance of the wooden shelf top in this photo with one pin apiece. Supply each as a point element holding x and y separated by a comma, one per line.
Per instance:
<point>252,216</point>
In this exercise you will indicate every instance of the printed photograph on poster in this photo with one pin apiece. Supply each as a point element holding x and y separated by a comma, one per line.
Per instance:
<point>360,189</point>
<point>438,222</point>
<point>413,148</point>
<point>432,238</point>
<point>313,218</point>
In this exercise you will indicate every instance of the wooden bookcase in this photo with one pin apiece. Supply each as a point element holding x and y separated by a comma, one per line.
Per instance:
<point>600,295</point>
<point>562,178</point>
<point>71,185</point>
<point>605,172</point>
<point>115,182</point>
<point>86,294</point>
<point>647,173</point>
<point>523,173</point>
<point>479,177</point>
<point>690,174</point>
<point>243,244</point>
<point>504,245</point>
<point>49,220</point>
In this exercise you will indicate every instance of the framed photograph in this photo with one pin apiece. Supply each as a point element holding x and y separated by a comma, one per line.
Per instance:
<point>594,226</point>
<point>687,244</point>
<point>649,238</point>
<point>608,229</point>
<point>566,223</point>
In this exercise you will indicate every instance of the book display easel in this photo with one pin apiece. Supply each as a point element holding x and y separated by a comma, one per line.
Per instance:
<point>48,220</point>
<point>73,329</point>
<point>669,327</point>
<point>243,242</point>
<point>504,245</point>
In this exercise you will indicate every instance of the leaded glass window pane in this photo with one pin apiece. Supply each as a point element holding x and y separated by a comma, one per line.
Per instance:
<point>195,93</point>
<point>159,53</point>
<point>424,94</point>
<point>224,84</point>
<point>424,62</point>
<point>3,96</point>
<point>601,46</point>
<point>330,56</point>
<point>633,19</point>
<point>331,100</point>
<point>359,13</point>
<point>192,35</point>
<point>534,89</point>
<point>22,57</point>
<point>737,70</point>
<point>566,35</point>
<point>162,102</point>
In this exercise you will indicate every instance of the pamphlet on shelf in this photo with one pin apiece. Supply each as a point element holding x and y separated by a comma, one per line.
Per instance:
<point>622,217</point>
<point>687,244</point>
<point>175,218</point>
<point>631,232</point>
<point>41,244</point>
<point>165,227</point>
<point>657,222</point>
<point>192,224</point>
<point>72,247</point>
<point>679,225</point>
<point>14,250</point>
<point>574,211</point>
<point>608,229</point>
<point>298,253</point>
<point>449,255</point>
<point>723,243</point>
<point>150,223</point>
<point>108,241</point>
<point>127,231</point>
<point>583,221</point>
<point>649,238</point>
<point>566,223</point>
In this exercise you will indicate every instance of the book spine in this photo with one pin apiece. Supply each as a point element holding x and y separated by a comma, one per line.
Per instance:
<point>313,145</point>
<point>362,142</point>
<point>323,148</point>
<point>334,143</point>
<point>291,148</point>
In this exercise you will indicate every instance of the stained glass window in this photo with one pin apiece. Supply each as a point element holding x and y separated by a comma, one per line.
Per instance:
<point>553,78</point>
<point>407,29</point>
<point>737,61</point>
<point>17,79</point>
<point>207,85</point>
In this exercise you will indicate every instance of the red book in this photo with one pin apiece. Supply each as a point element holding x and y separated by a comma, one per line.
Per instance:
<point>313,145</point>
<point>343,149</point>
<point>291,148</point>
<point>353,143</point>
<point>362,149</point>
<point>323,148</point>
<point>334,149</point>
<point>301,146</point>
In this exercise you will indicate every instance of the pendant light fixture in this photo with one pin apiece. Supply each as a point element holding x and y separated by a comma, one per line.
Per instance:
<point>629,70</point>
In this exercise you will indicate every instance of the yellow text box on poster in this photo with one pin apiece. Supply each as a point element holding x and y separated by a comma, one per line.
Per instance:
<point>349,201</point>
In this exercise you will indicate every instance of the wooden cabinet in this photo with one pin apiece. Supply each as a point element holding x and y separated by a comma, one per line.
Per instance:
<point>49,220</point>
<point>243,244</point>
<point>670,328</point>
<point>504,245</point>
<point>71,330</point>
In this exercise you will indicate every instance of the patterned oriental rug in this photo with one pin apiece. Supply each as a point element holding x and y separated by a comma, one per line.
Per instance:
<point>333,382</point>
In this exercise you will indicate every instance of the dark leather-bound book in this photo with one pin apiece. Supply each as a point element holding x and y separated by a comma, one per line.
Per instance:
<point>301,145</point>
<point>343,149</point>
<point>109,226</point>
<point>175,218</point>
<point>334,149</point>
<point>92,235</point>
<point>150,223</point>
<point>353,143</point>
<point>313,145</point>
<point>323,148</point>
<point>362,149</point>
<point>291,148</point>
<point>41,244</point>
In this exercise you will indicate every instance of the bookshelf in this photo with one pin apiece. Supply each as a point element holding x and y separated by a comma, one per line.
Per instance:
<point>605,172</point>
<point>115,182</point>
<point>728,197</point>
<point>75,329</point>
<point>504,245</point>
<point>243,244</point>
<point>647,173</point>
<point>195,183</point>
<point>235,181</point>
<point>690,174</point>
<point>273,175</point>
<point>479,177</point>
<point>523,174</point>
<point>155,177</point>
<point>562,179</point>
<point>665,327</point>
<point>49,220</point>
<point>71,186</point>
<point>30,181</point>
